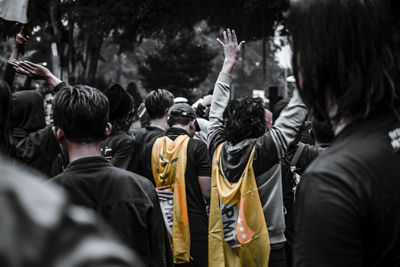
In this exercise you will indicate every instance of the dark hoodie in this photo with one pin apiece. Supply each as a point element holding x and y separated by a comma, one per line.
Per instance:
<point>27,113</point>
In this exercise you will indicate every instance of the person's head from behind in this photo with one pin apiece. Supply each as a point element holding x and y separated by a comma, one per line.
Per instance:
<point>80,115</point>
<point>244,118</point>
<point>183,116</point>
<point>321,132</point>
<point>158,102</point>
<point>122,109</point>
<point>344,57</point>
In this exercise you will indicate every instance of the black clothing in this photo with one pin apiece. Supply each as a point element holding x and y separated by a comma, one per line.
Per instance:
<point>119,149</point>
<point>41,151</point>
<point>9,75</point>
<point>198,164</point>
<point>40,228</point>
<point>348,204</point>
<point>126,201</point>
<point>307,155</point>
<point>27,113</point>
<point>145,139</point>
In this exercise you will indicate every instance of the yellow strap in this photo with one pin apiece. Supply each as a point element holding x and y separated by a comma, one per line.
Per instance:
<point>168,166</point>
<point>238,234</point>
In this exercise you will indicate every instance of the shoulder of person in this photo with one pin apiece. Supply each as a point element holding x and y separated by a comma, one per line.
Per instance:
<point>133,178</point>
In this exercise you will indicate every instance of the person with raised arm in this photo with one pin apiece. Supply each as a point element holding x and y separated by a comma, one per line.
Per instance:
<point>247,225</point>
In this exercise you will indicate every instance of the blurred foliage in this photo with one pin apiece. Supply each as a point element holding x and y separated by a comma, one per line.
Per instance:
<point>92,35</point>
<point>179,65</point>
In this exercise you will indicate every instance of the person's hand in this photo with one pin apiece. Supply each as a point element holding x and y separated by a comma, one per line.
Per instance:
<point>35,71</point>
<point>206,102</point>
<point>21,41</point>
<point>32,70</point>
<point>231,50</point>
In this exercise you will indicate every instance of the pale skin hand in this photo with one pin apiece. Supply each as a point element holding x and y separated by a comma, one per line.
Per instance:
<point>231,50</point>
<point>35,71</point>
<point>21,41</point>
<point>206,102</point>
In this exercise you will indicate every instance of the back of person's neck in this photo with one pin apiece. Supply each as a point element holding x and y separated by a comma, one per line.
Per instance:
<point>159,123</point>
<point>83,150</point>
<point>186,128</point>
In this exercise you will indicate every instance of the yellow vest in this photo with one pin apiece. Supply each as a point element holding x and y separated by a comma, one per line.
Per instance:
<point>237,232</point>
<point>168,165</point>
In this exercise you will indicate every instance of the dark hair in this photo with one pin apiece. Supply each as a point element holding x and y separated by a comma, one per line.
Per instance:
<point>157,102</point>
<point>82,113</point>
<point>344,49</point>
<point>244,118</point>
<point>322,131</point>
<point>132,89</point>
<point>5,129</point>
<point>121,112</point>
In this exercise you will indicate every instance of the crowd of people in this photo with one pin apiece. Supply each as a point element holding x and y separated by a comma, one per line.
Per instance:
<point>224,182</point>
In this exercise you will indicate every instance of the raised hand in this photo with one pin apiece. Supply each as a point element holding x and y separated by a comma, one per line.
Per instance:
<point>21,40</point>
<point>206,102</point>
<point>231,50</point>
<point>32,70</point>
<point>35,71</point>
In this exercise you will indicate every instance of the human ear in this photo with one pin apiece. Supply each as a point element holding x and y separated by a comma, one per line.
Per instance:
<point>192,128</point>
<point>58,134</point>
<point>108,130</point>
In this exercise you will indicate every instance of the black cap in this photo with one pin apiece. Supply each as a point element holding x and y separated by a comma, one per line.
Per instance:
<point>181,110</point>
<point>121,103</point>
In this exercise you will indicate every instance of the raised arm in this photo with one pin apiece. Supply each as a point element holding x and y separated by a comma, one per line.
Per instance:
<point>286,127</point>
<point>222,89</point>
<point>36,72</point>
<point>288,124</point>
<point>21,41</point>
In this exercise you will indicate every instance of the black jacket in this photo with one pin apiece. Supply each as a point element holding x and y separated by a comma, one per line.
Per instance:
<point>39,227</point>
<point>348,202</point>
<point>119,149</point>
<point>126,201</point>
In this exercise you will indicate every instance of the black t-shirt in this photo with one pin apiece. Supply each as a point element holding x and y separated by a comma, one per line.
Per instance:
<point>198,164</point>
<point>145,138</point>
<point>119,149</point>
<point>348,203</point>
<point>126,201</point>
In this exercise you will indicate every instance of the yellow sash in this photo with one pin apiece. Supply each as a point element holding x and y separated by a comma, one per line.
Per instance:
<point>168,165</point>
<point>237,232</point>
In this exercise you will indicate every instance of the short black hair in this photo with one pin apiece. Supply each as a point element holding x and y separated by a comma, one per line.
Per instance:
<point>157,102</point>
<point>322,131</point>
<point>244,118</point>
<point>81,112</point>
<point>345,49</point>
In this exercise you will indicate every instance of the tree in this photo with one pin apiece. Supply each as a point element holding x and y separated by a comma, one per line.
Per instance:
<point>179,65</point>
<point>82,28</point>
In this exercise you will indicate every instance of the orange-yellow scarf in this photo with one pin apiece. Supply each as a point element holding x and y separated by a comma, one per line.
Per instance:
<point>168,164</point>
<point>238,234</point>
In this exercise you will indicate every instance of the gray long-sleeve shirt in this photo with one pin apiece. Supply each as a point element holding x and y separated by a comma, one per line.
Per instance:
<point>269,148</point>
